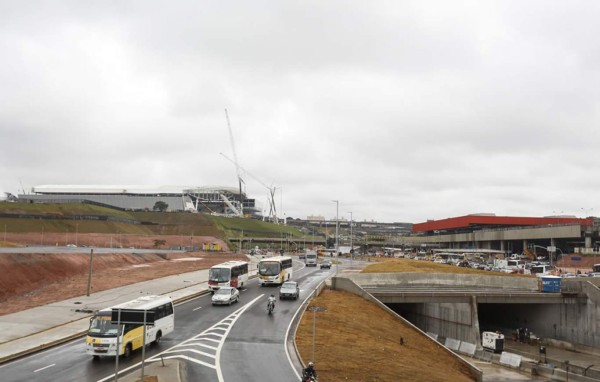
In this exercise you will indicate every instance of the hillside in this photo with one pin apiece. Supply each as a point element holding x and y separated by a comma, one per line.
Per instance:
<point>66,223</point>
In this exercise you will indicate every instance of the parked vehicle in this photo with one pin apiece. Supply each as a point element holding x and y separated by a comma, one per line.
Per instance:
<point>493,341</point>
<point>289,289</point>
<point>226,296</point>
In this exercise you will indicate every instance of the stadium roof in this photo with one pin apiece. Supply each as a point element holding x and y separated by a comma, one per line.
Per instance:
<point>482,220</point>
<point>126,189</point>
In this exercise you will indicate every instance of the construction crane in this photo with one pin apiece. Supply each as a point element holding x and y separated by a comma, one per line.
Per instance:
<point>272,207</point>
<point>240,211</point>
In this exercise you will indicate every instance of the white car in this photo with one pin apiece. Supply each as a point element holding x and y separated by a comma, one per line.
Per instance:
<point>226,296</point>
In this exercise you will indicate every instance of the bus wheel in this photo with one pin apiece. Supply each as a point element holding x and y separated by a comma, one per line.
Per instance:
<point>157,339</point>
<point>127,353</point>
<point>96,357</point>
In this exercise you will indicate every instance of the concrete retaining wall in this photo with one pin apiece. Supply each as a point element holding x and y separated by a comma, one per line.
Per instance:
<point>413,278</point>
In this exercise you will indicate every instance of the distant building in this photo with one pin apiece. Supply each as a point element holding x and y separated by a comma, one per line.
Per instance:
<point>217,200</point>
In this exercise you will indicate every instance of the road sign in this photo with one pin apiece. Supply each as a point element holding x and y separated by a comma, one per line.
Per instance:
<point>132,316</point>
<point>551,248</point>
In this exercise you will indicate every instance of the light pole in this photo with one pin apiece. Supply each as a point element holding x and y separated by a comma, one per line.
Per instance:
<point>337,226</point>
<point>315,309</point>
<point>76,234</point>
<point>351,246</point>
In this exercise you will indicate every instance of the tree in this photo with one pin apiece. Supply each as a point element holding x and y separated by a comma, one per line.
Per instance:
<point>160,206</point>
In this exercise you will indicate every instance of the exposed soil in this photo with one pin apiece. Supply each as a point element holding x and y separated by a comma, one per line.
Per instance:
<point>356,340</point>
<point>30,280</point>
<point>110,240</point>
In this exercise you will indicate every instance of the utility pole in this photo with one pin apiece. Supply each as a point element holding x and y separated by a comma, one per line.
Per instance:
<point>89,286</point>
<point>351,247</point>
<point>337,226</point>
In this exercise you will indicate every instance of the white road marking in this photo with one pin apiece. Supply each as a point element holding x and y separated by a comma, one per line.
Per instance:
<point>43,368</point>
<point>196,309</point>
<point>224,325</point>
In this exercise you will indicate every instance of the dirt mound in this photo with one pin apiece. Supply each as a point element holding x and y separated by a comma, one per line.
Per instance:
<point>356,340</point>
<point>30,280</point>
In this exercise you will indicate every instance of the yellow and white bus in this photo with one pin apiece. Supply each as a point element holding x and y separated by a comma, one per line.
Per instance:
<point>275,270</point>
<point>230,273</point>
<point>102,335</point>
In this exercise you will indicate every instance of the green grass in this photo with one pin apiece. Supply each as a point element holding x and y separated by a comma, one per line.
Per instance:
<point>158,223</point>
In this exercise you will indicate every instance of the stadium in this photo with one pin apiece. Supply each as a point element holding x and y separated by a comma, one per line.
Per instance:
<point>215,200</point>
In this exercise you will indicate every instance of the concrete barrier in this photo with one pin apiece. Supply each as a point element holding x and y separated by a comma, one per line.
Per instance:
<point>415,278</point>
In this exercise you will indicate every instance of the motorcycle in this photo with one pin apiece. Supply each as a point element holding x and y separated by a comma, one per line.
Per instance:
<point>270,306</point>
<point>309,379</point>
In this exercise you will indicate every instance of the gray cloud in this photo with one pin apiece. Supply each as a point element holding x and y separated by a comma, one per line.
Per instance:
<point>402,111</point>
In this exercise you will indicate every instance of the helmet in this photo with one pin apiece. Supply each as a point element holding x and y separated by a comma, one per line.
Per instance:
<point>311,364</point>
<point>272,295</point>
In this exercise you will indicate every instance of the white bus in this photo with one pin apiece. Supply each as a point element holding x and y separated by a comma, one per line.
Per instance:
<point>310,259</point>
<point>102,335</point>
<point>448,258</point>
<point>274,270</point>
<point>230,273</point>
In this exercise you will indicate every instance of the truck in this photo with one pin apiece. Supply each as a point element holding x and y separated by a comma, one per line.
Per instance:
<point>311,259</point>
<point>492,341</point>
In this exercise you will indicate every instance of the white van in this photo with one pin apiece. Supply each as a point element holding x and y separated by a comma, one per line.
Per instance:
<point>541,270</point>
<point>311,259</point>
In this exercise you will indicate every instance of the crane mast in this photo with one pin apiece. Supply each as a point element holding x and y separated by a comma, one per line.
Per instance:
<point>237,166</point>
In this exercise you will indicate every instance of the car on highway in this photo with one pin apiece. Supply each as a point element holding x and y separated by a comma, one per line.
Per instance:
<point>226,296</point>
<point>325,264</point>
<point>289,289</point>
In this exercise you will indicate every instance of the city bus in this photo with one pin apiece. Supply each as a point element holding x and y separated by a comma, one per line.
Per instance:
<point>274,270</point>
<point>102,335</point>
<point>448,258</point>
<point>230,273</point>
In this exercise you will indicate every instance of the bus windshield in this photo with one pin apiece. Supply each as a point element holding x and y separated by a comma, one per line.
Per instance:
<point>101,326</point>
<point>268,269</point>
<point>218,274</point>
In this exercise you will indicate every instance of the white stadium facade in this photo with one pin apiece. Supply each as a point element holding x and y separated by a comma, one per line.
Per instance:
<point>215,200</point>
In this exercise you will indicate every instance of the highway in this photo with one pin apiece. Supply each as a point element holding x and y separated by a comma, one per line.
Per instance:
<point>246,343</point>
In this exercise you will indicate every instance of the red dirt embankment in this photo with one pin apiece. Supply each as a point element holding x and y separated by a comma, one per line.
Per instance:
<point>30,280</point>
<point>110,240</point>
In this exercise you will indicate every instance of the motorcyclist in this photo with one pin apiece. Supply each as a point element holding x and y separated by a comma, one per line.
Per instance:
<point>309,372</point>
<point>270,301</point>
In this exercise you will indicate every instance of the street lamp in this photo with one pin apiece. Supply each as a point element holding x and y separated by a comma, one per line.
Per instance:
<point>351,246</point>
<point>315,309</point>
<point>337,225</point>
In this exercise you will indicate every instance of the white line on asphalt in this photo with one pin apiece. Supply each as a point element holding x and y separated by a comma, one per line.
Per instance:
<point>45,367</point>
<point>217,365</point>
<point>193,310</point>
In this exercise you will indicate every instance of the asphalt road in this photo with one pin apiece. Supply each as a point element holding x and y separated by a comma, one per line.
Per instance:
<point>251,345</point>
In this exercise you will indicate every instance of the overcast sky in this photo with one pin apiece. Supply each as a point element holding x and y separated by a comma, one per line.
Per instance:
<point>402,111</point>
